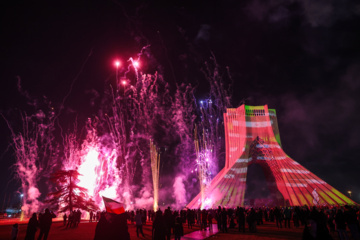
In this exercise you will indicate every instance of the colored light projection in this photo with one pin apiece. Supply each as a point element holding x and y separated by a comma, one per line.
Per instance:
<point>252,137</point>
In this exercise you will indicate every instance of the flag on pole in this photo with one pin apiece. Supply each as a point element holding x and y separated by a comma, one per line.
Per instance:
<point>113,206</point>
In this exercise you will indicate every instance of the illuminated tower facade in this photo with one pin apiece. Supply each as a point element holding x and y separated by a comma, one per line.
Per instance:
<point>252,137</point>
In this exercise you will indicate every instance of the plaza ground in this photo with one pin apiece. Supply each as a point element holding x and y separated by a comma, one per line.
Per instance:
<point>86,230</point>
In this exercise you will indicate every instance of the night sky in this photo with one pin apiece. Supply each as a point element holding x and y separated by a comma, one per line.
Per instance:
<point>300,57</point>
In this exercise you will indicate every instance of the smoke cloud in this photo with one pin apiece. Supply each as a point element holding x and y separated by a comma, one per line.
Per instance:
<point>179,192</point>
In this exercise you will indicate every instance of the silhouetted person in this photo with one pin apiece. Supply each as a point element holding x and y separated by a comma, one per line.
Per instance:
<point>139,222</point>
<point>313,220</point>
<point>190,218</point>
<point>45,223</point>
<point>178,229</point>
<point>112,226</point>
<point>351,221</point>
<point>259,217</point>
<point>77,217</point>
<point>251,219</point>
<point>287,216</point>
<point>330,220</point>
<point>224,220</point>
<point>102,228</point>
<point>307,234</point>
<point>278,217</point>
<point>70,219</point>
<point>32,227</point>
<point>296,217</point>
<point>266,215</point>
<point>341,225</point>
<point>64,218</point>
<point>241,218</point>
<point>143,216</point>
<point>322,230</point>
<point>203,219</point>
<point>232,222</point>
<point>158,228</point>
<point>91,216</point>
<point>168,222</point>
<point>271,215</point>
<point>218,218</point>
<point>210,218</point>
<point>118,226</point>
<point>15,231</point>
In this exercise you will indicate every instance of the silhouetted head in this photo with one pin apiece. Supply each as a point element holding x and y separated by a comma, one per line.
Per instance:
<point>34,215</point>
<point>47,210</point>
<point>159,213</point>
<point>102,215</point>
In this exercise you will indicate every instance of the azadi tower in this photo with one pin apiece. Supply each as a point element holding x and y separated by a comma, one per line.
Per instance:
<point>252,137</point>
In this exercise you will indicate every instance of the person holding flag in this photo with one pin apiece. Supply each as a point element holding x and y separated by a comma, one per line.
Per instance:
<point>113,206</point>
<point>113,222</point>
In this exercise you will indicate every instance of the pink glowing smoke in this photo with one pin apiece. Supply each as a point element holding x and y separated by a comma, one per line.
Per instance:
<point>179,192</point>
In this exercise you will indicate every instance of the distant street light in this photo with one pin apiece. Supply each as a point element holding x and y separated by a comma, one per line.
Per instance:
<point>349,192</point>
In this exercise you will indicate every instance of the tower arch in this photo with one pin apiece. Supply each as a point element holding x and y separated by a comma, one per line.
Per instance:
<point>252,136</point>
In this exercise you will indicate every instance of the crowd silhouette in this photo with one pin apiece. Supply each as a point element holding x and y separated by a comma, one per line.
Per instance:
<point>42,221</point>
<point>317,222</point>
<point>324,222</point>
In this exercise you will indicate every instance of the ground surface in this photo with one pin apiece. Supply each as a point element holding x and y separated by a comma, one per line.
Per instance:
<point>86,230</point>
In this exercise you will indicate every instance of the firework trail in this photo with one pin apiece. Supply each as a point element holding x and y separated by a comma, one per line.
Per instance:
<point>36,150</point>
<point>71,152</point>
<point>138,112</point>
<point>203,150</point>
<point>155,166</point>
<point>114,159</point>
<point>209,131</point>
<point>211,114</point>
<point>183,122</point>
<point>35,155</point>
<point>144,109</point>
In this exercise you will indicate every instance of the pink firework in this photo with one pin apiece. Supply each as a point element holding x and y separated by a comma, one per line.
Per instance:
<point>34,154</point>
<point>96,165</point>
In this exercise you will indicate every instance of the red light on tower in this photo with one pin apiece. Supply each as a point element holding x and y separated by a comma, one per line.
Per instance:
<point>123,82</point>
